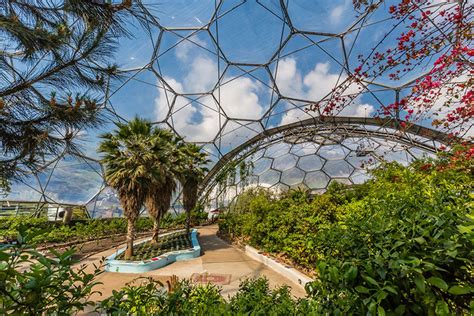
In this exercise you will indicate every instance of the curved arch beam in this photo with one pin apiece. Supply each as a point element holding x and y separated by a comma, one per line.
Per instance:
<point>350,123</point>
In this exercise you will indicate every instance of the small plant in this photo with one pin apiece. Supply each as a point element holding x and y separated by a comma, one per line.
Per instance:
<point>152,298</point>
<point>182,298</point>
<point>34,284</point>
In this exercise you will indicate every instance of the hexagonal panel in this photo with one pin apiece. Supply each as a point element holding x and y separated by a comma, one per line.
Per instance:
<point>292,176</point>
<point>285,162</point>
<point>333,152</point>
<point>310,163</point>
<point>360,162</point>
<point>257,36</point>
<point>322,16</point>
<point>269,178</point>
<point>261,165</point>
<point>277,150</point>
<point>338,168</point>
<point>304,149</point>
<point>316,180</point>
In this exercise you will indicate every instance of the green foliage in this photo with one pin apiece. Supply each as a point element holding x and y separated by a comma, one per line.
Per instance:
<point>50,232</point>
<point>400,244</point>
<point>139,300</point>
<point>256,298</point>
<point>75,42</point>
<point>149,249</point>
<point>253,298</point>
<point>198,217</point>
<point>151,298</point>
<point>34,284</point>
<point>288,224</point>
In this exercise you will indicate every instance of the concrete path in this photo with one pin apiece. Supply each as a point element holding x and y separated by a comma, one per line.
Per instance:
<point>218,257</point>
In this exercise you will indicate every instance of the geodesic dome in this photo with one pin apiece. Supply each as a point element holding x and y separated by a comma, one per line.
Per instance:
<point>238,77</point>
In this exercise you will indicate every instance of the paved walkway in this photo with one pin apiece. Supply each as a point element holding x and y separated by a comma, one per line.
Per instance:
<point>219,257</point>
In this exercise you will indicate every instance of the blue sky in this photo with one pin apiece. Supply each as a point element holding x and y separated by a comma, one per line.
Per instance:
<point>258,77</point>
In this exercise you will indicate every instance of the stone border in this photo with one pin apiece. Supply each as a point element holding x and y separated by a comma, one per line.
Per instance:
<point>285,270</point>
<point>122,266</point>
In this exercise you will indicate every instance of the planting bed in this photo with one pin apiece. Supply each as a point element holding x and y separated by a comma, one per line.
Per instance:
<point>168,243</point>
<point>148,256</point>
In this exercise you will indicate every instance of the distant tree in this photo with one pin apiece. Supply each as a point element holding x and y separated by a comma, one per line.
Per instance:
<point>190,174</point>
<point>54,65</point>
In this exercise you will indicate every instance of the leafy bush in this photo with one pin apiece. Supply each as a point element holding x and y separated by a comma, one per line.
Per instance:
<point>253,298</point>
<point>256,298</point>
<point>33,284</point>
<point>198,217</point>
<point>151,298</point>
<point>50,232</point>
<point>407,247</point>
<point>288,224</point>
<point>400,244</point>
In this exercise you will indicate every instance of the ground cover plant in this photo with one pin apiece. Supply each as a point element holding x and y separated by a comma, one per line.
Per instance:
<point>400,244</point>
<point>150,249</point>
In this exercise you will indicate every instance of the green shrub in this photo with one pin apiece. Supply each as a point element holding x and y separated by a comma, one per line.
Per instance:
<point>400,244</point>
<point>33,284</point>
<point>253,298</point>
<point>406,247</point>
<point>152,298</point>
<point>53,232</point>
<point>256,298</point>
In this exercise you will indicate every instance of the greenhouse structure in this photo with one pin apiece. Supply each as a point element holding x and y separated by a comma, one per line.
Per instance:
<point>236,157</point>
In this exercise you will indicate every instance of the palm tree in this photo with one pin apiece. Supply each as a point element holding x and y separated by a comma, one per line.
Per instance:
<point>128,159</point>
<point>158,199</point>
<point>191,172</point>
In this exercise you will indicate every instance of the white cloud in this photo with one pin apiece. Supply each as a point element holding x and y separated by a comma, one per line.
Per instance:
<point>315,86</point>
<point>199,120</point>
<point>320,81</point>
<point>202,75</point>
<point>288,78</point>
<point>239,98</point>
<point>357,110</point>
<point>336,14</point>
<point>165,98</point>
<point>184,112</point>
<point>295,114</point>
<point>183,49</point>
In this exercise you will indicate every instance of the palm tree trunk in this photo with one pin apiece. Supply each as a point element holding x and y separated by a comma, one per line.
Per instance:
<point>130,238</point>
<point>156,229</point>
<point>188,220</point>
